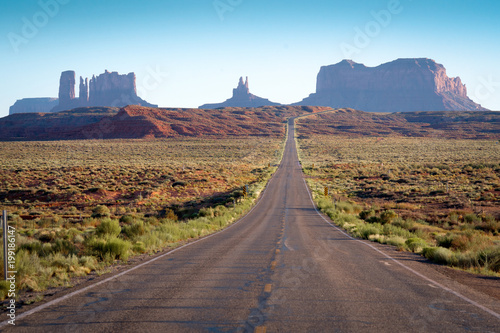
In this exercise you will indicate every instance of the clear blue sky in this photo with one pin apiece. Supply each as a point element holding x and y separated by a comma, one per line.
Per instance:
<point>199,48</point>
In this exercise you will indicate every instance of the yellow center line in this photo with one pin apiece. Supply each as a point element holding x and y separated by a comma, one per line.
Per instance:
<point>273,264</point>
<point>267,288</point>
<point>277,251</point>
<point>260,329</point>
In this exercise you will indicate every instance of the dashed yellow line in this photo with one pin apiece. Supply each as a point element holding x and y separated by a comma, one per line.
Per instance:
<point>260,329</point>
<point>273,264</point>
<point>267,288</point>
<point>277,251</point>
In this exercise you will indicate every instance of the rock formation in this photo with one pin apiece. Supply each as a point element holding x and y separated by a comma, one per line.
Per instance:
<point>107,89</point>
<point>33,105</point>
<point>241,98</point>
<point>66,92</point>
<point>84,91</point>
<point>400,85</point>
<point>67,87</point>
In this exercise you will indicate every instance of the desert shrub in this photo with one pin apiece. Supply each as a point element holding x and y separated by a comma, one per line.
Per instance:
<point>388,216</point>
<point>395,240</point>
<point>390,229</point>
<point>445,240</point>
<point>366,214</point>
<point>46,236</point>
<point>31,247</point>
<point>101,211</point>
<point>110,248</point>
<point>489,224</point>
<point>208,212</point>
<point>118,248</point>
<point>365,230</point>
<point>31,275</point>
<point>220,210</point>
<point>89,262</point>
<point>4,289</point>
<point>170,214</point>
<point>134,230</point>
<point>439,255</point>
<point>466,260</point>
<point>347,207</point>
<point>64,247</point>
<point>108,228</point>
<point>139,247</point>
<point>461,242</point>
<point>415,244</point>
<point>127,219</point>
<point>402,223</point>
<point>472,219</point>
<point>490,258</point>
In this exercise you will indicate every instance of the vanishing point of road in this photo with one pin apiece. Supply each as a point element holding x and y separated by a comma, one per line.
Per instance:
<point>281,268</point>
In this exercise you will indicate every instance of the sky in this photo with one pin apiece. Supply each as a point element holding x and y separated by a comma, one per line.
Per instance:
<point>186,53</point>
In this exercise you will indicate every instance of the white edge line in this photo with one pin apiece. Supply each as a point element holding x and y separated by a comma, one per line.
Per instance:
<point>79,291</point>
<point>468,300</point>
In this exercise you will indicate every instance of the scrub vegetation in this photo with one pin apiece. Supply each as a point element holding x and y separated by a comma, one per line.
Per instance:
<point>438,197</point>
<point>79,206</point>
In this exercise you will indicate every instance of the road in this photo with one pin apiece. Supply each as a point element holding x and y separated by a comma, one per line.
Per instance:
<point>282,268</point>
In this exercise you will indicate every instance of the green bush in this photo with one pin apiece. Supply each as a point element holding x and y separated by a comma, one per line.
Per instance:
<point>388,216</point>
<point>208,212</point>
<point>127,219</point>
<point>4,289</point>
<point>347,207</point>
<point>64,247</point>
<point>366,214</point>
<point>445,240</point>
<point>415,244</point>
<point>110,248</point>
<point>118,248</point>
<point>439,255</point>
<point>101,211</point>
<point>365,230</point>
<point>108,228</point>
<point>134,230</point>
<point>490,258</point>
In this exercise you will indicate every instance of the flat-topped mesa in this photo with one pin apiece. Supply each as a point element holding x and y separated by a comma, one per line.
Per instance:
<point>33,105</point>
<point>112,89</point>
<point>418,84</point>
<point>241,98</point>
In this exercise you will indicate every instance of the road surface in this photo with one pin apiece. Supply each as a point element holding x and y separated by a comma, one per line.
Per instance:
<point>282,268</point>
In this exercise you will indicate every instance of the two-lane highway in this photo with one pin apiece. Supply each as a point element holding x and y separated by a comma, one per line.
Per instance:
<point>282,268</point>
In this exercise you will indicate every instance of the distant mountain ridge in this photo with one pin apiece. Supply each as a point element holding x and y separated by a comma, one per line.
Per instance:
<point>241,98</point>
<point>415,84</point>
<point>138,122</point>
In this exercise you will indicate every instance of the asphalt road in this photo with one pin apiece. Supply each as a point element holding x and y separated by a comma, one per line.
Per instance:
<point>282,268</point>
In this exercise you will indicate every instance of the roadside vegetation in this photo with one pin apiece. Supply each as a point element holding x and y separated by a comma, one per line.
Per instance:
<point>80,206</point>
<point>433,196</point>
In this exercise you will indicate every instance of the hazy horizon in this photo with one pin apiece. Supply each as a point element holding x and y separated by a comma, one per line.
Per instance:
<point>188,53</point>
